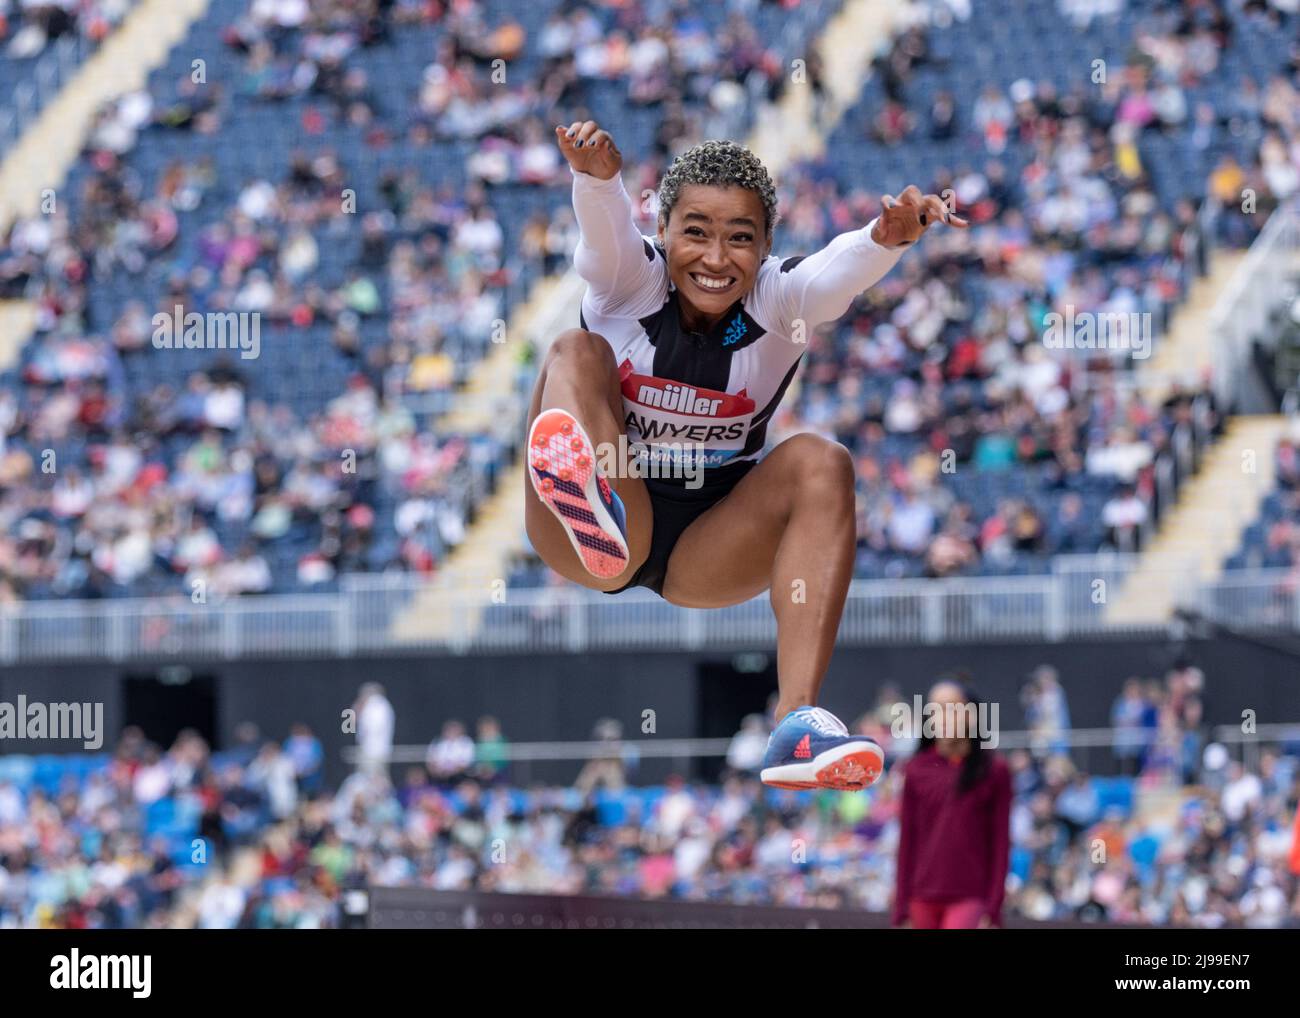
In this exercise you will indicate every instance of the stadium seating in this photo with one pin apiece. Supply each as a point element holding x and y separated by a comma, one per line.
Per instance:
<point>29,34</point>
<point>224,140</point>
<point>888,381</point>
<point>1273,540</point>
<point>976,454</point>
<point>191,814</point>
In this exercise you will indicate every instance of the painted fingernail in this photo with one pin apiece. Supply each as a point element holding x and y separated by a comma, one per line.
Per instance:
<point>578,143</point>
<point>922,218</point>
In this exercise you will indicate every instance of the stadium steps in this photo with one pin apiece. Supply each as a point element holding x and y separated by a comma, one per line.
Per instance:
<point>1204,526</point>
<point>42,157</point>
<point>448,609</point>
<point>488,398</point>
<point>788,131</point>
<point>1185,353</point>
<point>17,323</point>
<point>46,151</point>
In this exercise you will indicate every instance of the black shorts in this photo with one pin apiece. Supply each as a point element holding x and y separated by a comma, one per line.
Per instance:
<point>674,508</point>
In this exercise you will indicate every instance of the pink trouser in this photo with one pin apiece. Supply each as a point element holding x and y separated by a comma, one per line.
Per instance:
<point>946,915</point>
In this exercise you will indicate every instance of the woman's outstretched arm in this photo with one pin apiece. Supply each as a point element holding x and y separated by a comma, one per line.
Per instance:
<point>821,287</point>
<point>612,256</point>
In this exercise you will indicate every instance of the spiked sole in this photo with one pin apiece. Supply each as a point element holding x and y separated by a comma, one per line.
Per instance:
<point>847,768</point>
<point>562,468</point>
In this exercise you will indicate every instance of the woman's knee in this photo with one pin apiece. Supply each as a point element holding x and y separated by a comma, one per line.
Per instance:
<point>823,470</point>
<point>585,350</point>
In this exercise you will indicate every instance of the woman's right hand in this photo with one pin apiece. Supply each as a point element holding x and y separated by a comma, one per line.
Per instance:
<point>589,149</point>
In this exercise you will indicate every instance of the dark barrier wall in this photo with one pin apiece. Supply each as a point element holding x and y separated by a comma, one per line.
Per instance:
<point>418,908</point>
<point>559,697</point>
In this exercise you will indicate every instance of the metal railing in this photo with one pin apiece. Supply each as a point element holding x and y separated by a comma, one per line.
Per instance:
<point>1261,600</point>
<point>1241,314</point>
<point>654,748</point>
<point>1096,751</point>
<point>1069,602</point>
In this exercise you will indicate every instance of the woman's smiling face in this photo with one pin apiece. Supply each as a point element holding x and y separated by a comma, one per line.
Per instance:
<point>715,239</point>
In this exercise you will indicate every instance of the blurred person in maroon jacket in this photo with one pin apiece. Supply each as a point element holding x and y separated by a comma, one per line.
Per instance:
<point>955,835</point>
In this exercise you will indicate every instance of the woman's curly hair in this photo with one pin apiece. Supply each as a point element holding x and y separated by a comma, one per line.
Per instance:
<point>718,164</point>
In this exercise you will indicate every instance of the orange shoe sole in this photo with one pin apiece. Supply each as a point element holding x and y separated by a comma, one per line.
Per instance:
<point>852,772</point>
<point>562,468</point>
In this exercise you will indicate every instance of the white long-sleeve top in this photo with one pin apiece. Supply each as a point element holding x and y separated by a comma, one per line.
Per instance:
<point>706,397</point>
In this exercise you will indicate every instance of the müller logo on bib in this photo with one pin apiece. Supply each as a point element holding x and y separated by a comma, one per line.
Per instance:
<point>681,398</point>
<point>661,411</point>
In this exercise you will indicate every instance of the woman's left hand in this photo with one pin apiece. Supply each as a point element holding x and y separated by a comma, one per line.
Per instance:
<point>902,220</point>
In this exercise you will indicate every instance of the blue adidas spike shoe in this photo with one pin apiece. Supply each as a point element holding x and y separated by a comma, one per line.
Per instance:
<point>811,748</point>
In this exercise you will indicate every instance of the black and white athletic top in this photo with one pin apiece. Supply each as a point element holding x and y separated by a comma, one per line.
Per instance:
<point>706,397</point>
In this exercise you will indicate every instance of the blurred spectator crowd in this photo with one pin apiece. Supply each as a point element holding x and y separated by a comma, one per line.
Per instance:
<point>27,27</point>
<point>1273,541</point>
<point>1173,829</point>
<point>377,181</point>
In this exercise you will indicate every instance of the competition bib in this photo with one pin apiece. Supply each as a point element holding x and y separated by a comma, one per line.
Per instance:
<point>680,424</point>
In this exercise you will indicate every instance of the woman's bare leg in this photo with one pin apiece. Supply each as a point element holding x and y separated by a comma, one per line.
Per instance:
<point>788,526</point>
<point>579,375</point>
